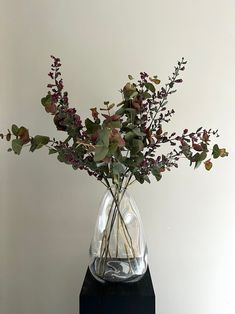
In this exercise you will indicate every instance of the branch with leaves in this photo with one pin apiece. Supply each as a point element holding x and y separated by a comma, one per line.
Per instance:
<point>120,141</point>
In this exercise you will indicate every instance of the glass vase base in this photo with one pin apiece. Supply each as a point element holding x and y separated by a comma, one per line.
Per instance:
<point>117,269</point>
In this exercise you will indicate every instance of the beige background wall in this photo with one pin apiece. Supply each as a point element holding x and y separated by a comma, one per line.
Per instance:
<point>47,210</point>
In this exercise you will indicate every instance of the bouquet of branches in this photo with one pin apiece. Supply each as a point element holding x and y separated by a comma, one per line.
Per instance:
<point>120,143</point>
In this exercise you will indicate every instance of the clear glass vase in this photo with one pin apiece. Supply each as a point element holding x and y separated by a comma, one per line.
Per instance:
<point>118,251</point>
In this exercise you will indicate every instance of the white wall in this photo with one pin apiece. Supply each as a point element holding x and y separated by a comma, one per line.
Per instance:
<point>48,210</point>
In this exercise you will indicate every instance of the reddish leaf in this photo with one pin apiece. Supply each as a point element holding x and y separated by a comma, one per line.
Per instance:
<point>208,164</point>
<point>51,108</point>
<point>108,118</point>
<point>205,136</point>
<point>23,134</point>
<point>94,113</point>
<point>115,136</point>
<point>197,147</point>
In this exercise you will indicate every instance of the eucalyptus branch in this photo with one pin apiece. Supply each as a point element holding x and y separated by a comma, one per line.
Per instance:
<point>169,89</point>
<point>125,140</point>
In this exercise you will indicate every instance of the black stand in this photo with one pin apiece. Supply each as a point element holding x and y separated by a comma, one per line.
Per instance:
<point>116,298</point>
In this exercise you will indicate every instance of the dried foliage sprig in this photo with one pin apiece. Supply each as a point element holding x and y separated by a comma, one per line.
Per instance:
<point>120,141</point>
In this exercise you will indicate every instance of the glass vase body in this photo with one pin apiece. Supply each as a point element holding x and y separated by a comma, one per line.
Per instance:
<point>118,251</point>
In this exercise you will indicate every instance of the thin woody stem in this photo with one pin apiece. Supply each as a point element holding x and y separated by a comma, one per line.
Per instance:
<point>117,240</point>
<point>105,248</point>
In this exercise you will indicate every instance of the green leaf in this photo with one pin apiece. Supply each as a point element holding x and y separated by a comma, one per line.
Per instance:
<point>61,157</point>
<point>103,137</point>
<point>197,164</point>
<point>114,124</point>
<point>118,168</point>
<point>38,141</point>
<point>139,177</point>
<point>118,155</point>
<point>186,151</point>
<point>46,101</point>
<point>146,178</point>
<point>102,147</point>
<point>216,151</point>
<point>110,106</point>
<point>199,157</point>
<point>120,111</point>
<point>52,151</point>
<point>146,95</point>
<point>156,173</point>
<point>16,145</point>
<point>131,110</point>
<point>91,126</point>
<point>112,148</point>
<point>130,77</point>
<point>104,168</point>
<point>203,156</point>
<point>14,129</point>
<point>204,147</point>
<point>158,176</point>
<point>100,152</point>
<point>41,139</point>
<point>139,158</point>
<point>150,87</point>
<point>129,136</point>
<point>129,90</point>
<point>136,146</point>
<point>138,132</point>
